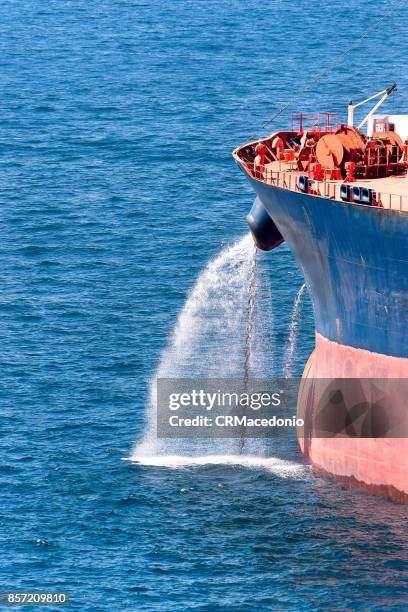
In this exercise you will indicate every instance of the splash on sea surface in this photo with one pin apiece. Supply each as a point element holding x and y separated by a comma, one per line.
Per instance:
<point>279,467</point>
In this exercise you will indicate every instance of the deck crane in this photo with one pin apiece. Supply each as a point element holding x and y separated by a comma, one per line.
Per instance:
<point>351,107</point>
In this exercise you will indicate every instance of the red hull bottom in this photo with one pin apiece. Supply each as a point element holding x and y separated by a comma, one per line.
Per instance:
<point>379,465</point>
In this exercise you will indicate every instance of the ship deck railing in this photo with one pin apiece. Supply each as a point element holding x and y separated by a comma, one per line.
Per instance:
<point>330,189</point>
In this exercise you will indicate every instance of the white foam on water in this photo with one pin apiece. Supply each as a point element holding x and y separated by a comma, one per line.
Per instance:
<point>290,352</point>
<point>279,467</point>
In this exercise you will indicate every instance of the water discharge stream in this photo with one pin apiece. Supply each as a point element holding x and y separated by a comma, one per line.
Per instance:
<point>221,332</point>
<point>249,333</point>
<point>208,340</point>
<point>290,353</point>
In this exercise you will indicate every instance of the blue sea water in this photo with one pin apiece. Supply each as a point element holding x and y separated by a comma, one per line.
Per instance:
<point>117,186</point>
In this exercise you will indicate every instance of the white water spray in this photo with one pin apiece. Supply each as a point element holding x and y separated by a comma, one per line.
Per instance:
<point>211,339</point>
<point>290,352</point>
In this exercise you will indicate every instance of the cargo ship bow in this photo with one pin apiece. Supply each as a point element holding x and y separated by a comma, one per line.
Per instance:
<point>338,196</point>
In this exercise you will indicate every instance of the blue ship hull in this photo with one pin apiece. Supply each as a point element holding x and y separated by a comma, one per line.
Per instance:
<point>354,260</point>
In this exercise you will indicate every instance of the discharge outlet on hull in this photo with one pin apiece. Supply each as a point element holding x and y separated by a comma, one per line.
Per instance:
<point>263,229</point>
